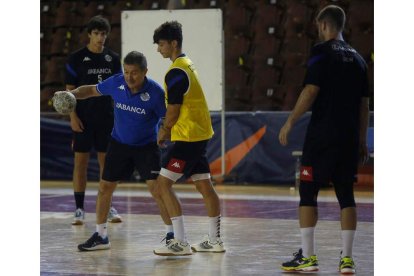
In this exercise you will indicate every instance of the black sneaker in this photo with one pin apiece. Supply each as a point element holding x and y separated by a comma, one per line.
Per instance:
<point>347,265</point>
<point>95,242</point>
<point>300,263</point>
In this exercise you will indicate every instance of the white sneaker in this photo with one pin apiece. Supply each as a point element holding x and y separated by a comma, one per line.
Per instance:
<point>174,248</point>
<point>113,216</point>
<point>208,246</point>
<point>79,217</point>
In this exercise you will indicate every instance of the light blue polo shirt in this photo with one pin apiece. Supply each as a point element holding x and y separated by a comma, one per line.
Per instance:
<point>136,116</point>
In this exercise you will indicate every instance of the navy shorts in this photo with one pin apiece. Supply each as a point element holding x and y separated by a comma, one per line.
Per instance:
<point>96,137</point>
<point>188,159</point>
<point>321,163</point>
<point>122,159</point>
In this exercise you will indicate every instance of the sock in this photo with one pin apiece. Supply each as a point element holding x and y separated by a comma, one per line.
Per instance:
<point>79,199</point>
<point>347,242</point>
<point>214,230</point>
<point>101,229</point>
<point>179,231</point>
<point>308,241</point>
<point>169,228</point>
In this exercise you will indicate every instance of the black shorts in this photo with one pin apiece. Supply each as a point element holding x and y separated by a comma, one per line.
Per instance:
<point>122,159</point>
<point>321,163</point>
<point>188,159</point>
<point>97,136</point>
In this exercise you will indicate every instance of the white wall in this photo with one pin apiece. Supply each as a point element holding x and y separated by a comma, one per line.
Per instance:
<point>202,42</point>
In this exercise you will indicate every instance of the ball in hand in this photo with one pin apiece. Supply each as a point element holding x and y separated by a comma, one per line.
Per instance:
<point>64,102</point>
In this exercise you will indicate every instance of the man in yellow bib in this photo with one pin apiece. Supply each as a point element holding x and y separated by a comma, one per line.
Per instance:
<point>188,125</point>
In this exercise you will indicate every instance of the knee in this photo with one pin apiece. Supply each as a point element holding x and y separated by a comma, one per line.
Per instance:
<point>106,187</point>
<point>205,189</point>
<point>154,189</point>
<point>345,196</point>
<point>308,193</point>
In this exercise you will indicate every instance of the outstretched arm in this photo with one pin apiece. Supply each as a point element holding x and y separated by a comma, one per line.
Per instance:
<point>85,91</point>
<point>305,101</point>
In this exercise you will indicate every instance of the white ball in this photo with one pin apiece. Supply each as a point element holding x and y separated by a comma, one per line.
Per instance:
<point>64,102</point>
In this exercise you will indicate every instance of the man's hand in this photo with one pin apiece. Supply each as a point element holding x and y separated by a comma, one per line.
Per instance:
<point>76,123</point>
<point>284,133</point>
<point>164,134</point>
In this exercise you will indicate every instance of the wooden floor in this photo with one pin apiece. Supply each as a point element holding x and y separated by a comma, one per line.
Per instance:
<point>259,229</point>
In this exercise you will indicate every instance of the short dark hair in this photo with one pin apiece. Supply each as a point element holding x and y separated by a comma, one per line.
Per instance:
<point>136,58</point>
<point>335,15</point>
<point>170,30</point>
<point>98,23</point>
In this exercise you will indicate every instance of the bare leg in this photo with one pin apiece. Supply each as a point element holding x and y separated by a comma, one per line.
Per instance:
<point>210,197</point>
<point>103,201</point>
<point>348,218</point>
<point>163,187</point>
<point>308,216</point>
<point>157,197</point>
<point>80,171</point>
<point>101,162</point>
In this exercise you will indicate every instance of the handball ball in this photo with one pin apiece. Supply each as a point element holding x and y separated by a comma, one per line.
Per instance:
<point>64,102</point>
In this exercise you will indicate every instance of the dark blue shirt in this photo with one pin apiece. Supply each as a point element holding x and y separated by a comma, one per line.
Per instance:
<point>341,74</point>
<point>136,115</point>
<point>84,68</point>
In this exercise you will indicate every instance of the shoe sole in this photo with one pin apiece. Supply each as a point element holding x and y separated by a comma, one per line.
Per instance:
<point>99,247</point>
<point>171,254</point>
<point>77,222</point>
<point>207,251</point>
<point>347,272</point>
<point>300,270</point>
<point>115,220</point>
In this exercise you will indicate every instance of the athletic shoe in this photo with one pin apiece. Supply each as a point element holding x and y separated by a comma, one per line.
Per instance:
<point>95,242</point>
<point>208,246</point>
<point>79,217</point>
<point>347,265</point>
<point>168,237</point>
<point>113,216</point>
<point>300,263</point>
<point>174,247</point>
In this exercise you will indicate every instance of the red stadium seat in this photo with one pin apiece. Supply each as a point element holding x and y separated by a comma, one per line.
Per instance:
<point>60,42</point>
<point>151,5</point>
<point>293,75</point>
<point>361,16</point>
<point>291,95</point>
<point>236,77</point>
<point>266,76</point>
<point>238,99</point>
<point>93,8</point>
<point>267,21</point>
<point>114,39</point>
<point>45,41</point>
<point>297,45</point>
<point>55,71</point>
<point>204,4</point>
<point>298,16</point>
<point>65,14</point>
<point>237,19</point>
<point>364,44</point>
<point>266,98</point>
<point>266,52</point>
<point>237,50</point>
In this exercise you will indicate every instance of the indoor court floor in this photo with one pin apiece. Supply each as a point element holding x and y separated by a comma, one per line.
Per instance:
<point>259,229</point>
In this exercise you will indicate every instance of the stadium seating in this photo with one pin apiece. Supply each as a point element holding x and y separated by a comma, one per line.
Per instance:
<point>267,42</point>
